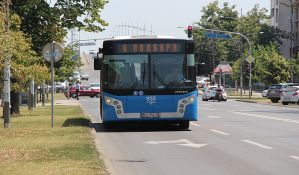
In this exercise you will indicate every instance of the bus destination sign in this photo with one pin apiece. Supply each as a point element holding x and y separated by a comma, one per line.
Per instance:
<point>150,48</point>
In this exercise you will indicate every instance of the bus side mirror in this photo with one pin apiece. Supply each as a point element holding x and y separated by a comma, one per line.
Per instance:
<point>98,62</point>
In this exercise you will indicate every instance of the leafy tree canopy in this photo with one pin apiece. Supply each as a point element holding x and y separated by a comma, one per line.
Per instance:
<point>270,66</point>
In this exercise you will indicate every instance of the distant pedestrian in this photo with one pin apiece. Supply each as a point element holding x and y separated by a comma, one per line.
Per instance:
<point>77,89</point>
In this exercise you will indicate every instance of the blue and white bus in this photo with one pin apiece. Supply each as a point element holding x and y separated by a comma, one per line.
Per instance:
<point>148,79</point>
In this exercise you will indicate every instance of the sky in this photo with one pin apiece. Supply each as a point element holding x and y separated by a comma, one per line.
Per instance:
<point>163,17</point>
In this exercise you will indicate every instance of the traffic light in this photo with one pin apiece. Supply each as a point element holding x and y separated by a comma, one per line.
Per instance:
<point>189,30</point>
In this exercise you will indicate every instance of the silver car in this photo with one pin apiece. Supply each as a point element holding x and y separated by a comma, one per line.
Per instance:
<point>290,95</point>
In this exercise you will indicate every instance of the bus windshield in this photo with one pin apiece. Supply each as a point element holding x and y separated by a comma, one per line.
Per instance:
<point>168,71</point>
<point>147,72</point>
<point>126,71</point>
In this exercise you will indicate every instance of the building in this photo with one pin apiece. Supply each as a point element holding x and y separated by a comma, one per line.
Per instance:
<point>285,16</point>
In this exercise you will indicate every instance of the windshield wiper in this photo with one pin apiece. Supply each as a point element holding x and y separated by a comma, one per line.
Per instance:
<point>136,83</point>
<point>159,79</point>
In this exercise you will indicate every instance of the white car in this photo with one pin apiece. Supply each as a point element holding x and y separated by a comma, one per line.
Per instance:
<point>210,94</point>
<point>84,76</point>
<point>290,95</point>
<point>75,76</point>
<point>264,93</point>
<point>95,86</point>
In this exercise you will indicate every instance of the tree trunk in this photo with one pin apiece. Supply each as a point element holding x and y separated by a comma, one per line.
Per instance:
<point>15,104</point>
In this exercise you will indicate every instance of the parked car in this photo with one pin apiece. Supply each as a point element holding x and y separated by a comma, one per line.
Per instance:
<point>84,76</point>
<point>59,87</point>
<point>75,76</point>
<point>95,86</point>
<point>290,95</point>
<point>210,94</point>
<point>275,91</point>
<point>84,91</point>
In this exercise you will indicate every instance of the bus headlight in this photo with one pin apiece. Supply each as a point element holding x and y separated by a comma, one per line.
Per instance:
<point>191,99</point>
<point>108,101</point>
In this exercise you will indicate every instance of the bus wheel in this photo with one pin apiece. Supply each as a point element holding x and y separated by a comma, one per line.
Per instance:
<point>184,124</point>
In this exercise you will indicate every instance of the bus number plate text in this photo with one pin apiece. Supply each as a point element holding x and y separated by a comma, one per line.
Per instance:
<point>150,115</point>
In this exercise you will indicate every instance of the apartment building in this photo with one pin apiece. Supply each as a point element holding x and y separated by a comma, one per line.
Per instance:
<point>285,16</point>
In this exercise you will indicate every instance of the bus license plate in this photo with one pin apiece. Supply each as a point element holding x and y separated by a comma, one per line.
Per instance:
<point>150,115</point>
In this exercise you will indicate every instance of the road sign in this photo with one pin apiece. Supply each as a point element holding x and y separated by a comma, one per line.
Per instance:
<point>250,59</point>
<point>217,35</point>
<point>50,52</point>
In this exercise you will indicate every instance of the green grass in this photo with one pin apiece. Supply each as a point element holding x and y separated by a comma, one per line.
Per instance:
<point>31,146</point>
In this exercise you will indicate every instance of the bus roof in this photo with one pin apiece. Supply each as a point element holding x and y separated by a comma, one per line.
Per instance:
<point>143,37</point>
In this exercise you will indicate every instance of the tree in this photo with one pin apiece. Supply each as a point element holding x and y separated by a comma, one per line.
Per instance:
<point>270,35</point>
<point>253,25</point>
<point>37,23</point>
<point>70,12</point>
<point>270,66</point>
<point>67,65</point>
<point>43,23</point>
<point>212,51</point>
<point>24,61</point>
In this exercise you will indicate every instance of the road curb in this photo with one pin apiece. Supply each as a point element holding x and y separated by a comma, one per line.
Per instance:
<point>246,101</point>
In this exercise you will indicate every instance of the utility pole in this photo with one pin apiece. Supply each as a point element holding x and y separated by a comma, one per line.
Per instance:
<point>241,64</point>
<point>292,29</point>
<point>291,37</point>
<point>6,76</point>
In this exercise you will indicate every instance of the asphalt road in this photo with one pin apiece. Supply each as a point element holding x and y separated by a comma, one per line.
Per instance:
<point>229,138</point>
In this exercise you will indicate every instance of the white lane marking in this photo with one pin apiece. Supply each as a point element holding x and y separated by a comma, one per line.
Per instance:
<point>219,132</point>
<point>209,109</point>
<point>294,157</point>
<point>194,124</point>
<point>183,142</point>
<point>257,144</point>
<point>188,143</point>
<point>267,117</point>
<point>211,116</point>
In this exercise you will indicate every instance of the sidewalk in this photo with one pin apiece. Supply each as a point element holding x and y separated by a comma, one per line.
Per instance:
<point>66,102</point>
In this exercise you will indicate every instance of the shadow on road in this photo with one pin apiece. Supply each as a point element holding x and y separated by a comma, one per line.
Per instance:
<point>135,127</point>
<point>76,122</point>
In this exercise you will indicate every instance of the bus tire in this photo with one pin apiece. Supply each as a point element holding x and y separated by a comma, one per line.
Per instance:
<point>184,124</point>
